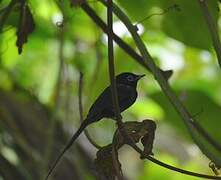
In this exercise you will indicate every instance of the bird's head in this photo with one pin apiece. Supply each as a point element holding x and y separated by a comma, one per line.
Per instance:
<point>128,78</point>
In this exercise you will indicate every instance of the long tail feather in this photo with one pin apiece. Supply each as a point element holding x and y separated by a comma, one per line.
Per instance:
<point>71,141</point>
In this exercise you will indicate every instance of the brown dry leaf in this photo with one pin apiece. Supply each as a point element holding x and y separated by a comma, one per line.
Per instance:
<point>137,131</point>
<point>26,26</point>
<point>143,131</point>
<point>148,139</point>
<point>104,163</point>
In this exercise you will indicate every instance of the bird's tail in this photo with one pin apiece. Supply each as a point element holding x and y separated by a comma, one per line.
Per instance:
<point>68,145</point>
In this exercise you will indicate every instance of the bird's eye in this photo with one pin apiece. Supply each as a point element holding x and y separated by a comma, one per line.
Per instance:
<point>130,78</point>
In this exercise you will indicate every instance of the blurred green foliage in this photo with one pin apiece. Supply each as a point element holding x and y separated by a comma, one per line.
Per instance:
<point>177,39</point>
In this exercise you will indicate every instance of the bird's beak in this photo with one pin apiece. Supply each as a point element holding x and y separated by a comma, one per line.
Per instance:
<point>140,76</point>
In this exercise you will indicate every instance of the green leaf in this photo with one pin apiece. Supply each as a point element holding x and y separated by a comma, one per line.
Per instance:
<point>137,10</point>
<point>188,25</point>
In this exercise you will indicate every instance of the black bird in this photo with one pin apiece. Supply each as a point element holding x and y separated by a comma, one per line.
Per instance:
<point>126,84</point>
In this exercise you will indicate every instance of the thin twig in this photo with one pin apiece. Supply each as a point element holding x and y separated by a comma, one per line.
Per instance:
<point>81,111</point>
<point>183,171</point>
<point>112,80</point>
<point>116,162</point>
<point>212,26</point>
<point>111,61</point>
<point>164,11</point>
<point>113,83</point>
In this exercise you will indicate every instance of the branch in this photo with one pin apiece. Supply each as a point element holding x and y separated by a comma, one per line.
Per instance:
<point>103,26</point>
<point>130,51</point>
<point>81,112</point>
<point>119,121</point>
<point>206,135</point>
<point>212,26</point>
<point>173,168</point>
<point>116,163</point>
<point>179,107</point>
<point>183,171</point>
<point>138,135</point>
<point>113,82</point>
<point>127,49</point>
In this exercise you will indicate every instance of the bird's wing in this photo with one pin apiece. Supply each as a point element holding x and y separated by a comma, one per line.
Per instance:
<point>103,106</point>
<point>126,96</point>
<point>99,104</point>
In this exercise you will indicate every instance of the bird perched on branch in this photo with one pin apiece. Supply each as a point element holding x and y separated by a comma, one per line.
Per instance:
<point>126,84</point>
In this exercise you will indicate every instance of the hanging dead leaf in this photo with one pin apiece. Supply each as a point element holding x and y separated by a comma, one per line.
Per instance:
<point>137,131</point>
<point>143,131</point>
<point>26,26</point>
<point>104,163</point>
<point>148,138</point>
